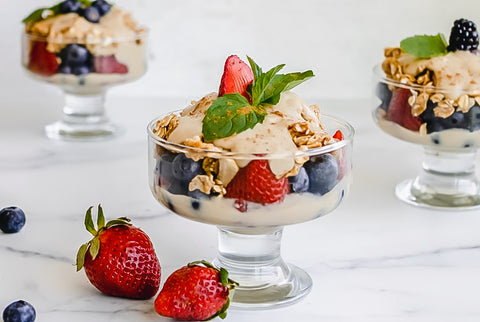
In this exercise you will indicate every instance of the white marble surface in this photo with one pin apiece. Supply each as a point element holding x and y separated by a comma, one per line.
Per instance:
<point>373,259</point>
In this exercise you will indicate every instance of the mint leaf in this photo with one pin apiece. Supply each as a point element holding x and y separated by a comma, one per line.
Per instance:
<point>230,114</point>
<point>424,46</point>
<point>267,87</point>
<point>37,15</point>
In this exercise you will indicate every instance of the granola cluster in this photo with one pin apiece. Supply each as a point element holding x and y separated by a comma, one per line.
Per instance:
<point>426,82</point>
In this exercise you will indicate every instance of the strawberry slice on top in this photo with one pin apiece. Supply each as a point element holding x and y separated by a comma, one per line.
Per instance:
<point>237,75</point>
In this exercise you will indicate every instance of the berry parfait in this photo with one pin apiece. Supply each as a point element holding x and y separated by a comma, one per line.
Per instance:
<point>428,93</point>
<point>250,160</point>
<point>84,47</point>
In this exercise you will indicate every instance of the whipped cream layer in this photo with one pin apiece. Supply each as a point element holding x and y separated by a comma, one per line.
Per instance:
<point>271,136</point>
<point>455,73</point>
<point>100,38</point>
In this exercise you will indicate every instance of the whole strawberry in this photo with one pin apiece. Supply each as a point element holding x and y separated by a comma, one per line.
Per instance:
<point>120,259</point>
<point>196,292</point>
<point>257,183</point>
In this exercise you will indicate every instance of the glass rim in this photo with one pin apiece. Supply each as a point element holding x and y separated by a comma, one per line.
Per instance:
<point>347,139</point>
<point>380,74</point>
<point>140,34</point>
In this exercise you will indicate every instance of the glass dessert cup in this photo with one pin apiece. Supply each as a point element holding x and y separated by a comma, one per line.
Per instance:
<point>113,62</point>
<point>447,178</point>
<point>249,238</point>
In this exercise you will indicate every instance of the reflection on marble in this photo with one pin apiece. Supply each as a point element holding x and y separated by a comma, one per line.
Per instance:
<point>373,259</point>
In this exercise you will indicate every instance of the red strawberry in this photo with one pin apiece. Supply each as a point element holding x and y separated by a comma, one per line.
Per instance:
<point>257,183</point>
<point>108,65</point>
<point>236,77</point>
<point>120,259</point>
<point>41,60</point>
<point>338,135</point>
<point>195,293</point>
<point>399,111</point>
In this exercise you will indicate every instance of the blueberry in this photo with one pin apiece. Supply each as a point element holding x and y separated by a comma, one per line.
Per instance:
<point>70,6</point>
<point>185,169</point>
<point>164,168</point>
<point>428,115</point>
<point>75,55</point>
<point>80,70</point>
<point>300,182</point>
<point>102,6</point>
<point>456,120</point>
<point>92,14</point>
<point>12,219</point>
<point>178,187</point>
<point>322,171</point>
<point>473,118</point>
<point>384,94</point>
<point>197,194</point>
<point>64,69</point>
<point>19,311</point>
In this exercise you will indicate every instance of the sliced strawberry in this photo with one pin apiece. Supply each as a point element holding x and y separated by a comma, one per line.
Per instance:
<point>257,183</point>
<point>108,65</point>
<point>399,111</point>
<point>41,60</point>
<point>236,77</point>
<point>338,135</point>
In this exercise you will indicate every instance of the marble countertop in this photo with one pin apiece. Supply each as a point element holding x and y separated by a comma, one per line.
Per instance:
<point>372,259</point>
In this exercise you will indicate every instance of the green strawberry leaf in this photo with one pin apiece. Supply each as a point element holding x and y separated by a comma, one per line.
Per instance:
<point>82,251</point>
<point>89,222</point>
<point>424,46</point>
<point>100,218</point>
<point>223,276</point>
<point>94,247</point>
<point>118,222</point>
<point>228,115</point>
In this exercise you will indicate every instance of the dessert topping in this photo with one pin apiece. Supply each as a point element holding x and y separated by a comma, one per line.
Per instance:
<point>234,113</point>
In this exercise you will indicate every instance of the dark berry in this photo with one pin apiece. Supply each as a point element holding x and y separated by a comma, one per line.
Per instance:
<point>300,182</point>
<point>322,172</point>
<point>384,94</point>
<point>164,169</point>
<point>12,219</point>
<point>74,55</point>
<point>456,121</point>
<point>197,194</point>
<point>178,187</point>
<point>64,69</point>
<point>463,36</point>
<point>70,6</point>
<point>80,70</point>
<point>473,118</point>
<point>102,6</point>
<point>92,14</point>
<point>19,311</point>
<point>185,169</point>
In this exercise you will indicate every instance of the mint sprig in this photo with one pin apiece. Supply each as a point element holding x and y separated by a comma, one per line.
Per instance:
<point>425,46</point>
<point>233,113</point>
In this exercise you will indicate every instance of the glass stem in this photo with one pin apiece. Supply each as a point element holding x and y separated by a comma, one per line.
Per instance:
<point>84,109</point>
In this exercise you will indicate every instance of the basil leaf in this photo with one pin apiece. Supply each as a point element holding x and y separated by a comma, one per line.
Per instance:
<point>424,46</point>
<point>228,115</point>
<point>37,15</point>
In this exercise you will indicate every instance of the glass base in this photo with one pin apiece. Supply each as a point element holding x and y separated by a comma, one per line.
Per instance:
<point>62,130</point>
<point>446,181</point>
<point>254,261</point>
<point>407,192</point>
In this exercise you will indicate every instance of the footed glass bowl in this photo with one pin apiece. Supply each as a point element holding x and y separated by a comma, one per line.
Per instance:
<point>249,233</point>
<point>446,123</point>
<point>84,71</point>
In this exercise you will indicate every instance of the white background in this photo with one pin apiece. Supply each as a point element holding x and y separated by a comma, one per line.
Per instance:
<point>340,40</point>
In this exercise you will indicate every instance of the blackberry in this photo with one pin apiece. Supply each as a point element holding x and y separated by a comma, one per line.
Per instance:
<point>464,36</point>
